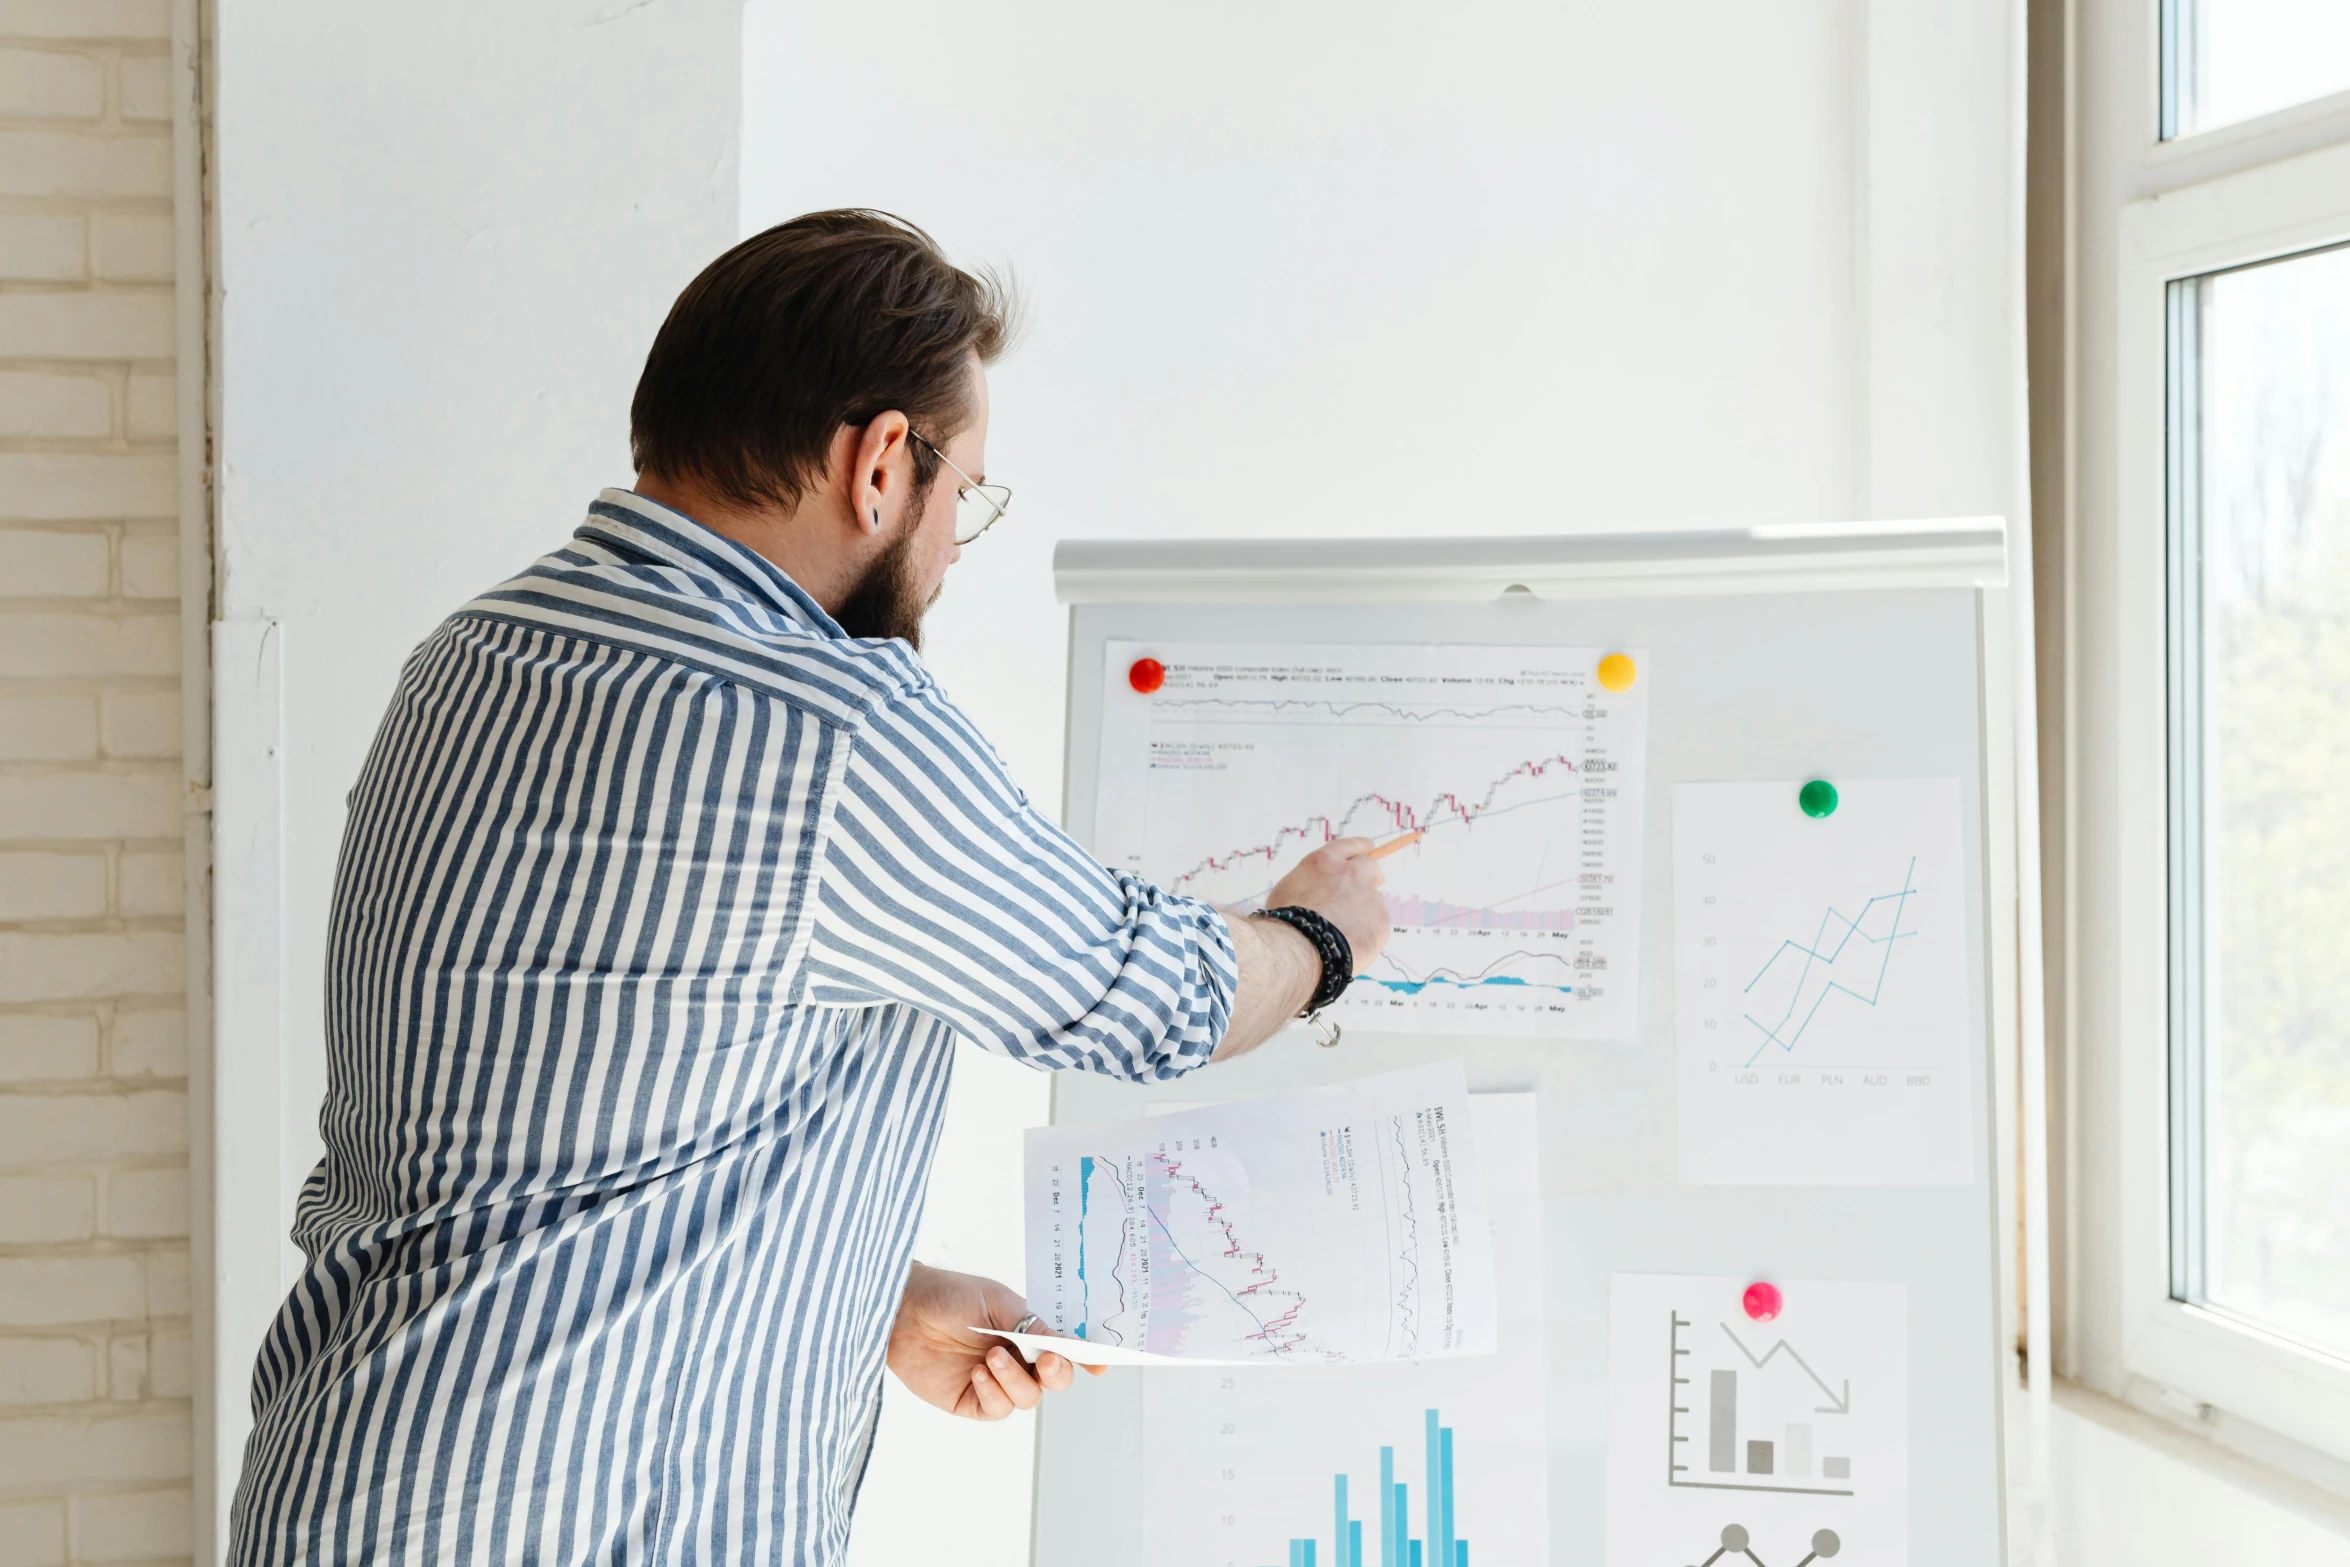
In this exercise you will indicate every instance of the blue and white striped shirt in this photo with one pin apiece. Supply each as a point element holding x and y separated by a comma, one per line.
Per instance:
<point>660,905</point>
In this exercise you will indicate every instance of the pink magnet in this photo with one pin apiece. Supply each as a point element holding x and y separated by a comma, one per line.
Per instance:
<point>1762,1301</point>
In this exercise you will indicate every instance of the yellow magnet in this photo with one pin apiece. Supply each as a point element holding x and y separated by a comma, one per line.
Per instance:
<point>1617,672</point>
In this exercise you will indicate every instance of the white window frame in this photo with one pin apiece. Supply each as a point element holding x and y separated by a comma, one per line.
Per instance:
<point>2174,35</point>
<point>2262,213</point>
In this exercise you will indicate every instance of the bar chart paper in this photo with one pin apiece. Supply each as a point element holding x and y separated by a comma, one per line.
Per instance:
<point>1793,1433</point>
<point>1516,913</point>
<point>1339,1467</point>
<point>1820,997</point>
<point>1333,1224</point>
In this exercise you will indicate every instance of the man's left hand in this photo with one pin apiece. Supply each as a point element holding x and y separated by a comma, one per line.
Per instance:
<point>933,1351</point>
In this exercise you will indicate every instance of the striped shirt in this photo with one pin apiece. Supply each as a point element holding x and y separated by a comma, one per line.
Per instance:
<point>660,906</point>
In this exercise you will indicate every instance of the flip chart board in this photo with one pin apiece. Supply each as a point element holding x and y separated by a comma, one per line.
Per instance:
<point>1691,1139</point>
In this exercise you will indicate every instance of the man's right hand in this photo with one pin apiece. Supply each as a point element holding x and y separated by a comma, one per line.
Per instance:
<point>1341,882</point>
<point>1279,967</point>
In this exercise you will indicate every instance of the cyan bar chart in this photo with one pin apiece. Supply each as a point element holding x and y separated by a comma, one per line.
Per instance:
<point>1440,1539</point>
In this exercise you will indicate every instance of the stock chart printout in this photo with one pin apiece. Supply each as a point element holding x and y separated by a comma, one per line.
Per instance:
<point>1784,1442</point>
<point>1433,1460</point>
<point>1820,985</point>
<point>1331,1225</point>
<point>1516,914</point>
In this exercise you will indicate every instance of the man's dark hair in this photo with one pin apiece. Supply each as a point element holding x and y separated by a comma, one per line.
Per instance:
<point>833,318</point>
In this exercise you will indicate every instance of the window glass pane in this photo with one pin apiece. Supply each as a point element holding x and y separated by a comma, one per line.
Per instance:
<point>2235,59</point>
<point>2272,399</point>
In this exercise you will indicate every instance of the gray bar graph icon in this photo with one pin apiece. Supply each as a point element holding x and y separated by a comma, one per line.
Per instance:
<point>1769,1466</point>
<point>1721,1424</point>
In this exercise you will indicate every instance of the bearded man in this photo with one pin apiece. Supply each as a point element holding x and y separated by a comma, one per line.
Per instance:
<point>669,883</point>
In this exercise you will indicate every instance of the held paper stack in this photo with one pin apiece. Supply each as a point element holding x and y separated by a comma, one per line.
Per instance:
<point>1326,1227</point>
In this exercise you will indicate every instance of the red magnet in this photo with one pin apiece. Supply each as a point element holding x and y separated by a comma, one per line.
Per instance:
<point>1147,675</point>
<point>1762,1301</point>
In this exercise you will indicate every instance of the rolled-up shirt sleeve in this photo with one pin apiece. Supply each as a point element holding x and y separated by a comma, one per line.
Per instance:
<point>939,886</point>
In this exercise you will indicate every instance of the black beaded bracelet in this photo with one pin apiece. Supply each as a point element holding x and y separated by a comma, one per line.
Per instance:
<point>1338,959</point>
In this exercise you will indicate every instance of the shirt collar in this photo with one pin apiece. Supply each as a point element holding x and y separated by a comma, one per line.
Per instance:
<point>630,524</point>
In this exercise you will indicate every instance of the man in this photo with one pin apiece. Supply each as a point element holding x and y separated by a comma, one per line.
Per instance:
<point>667,886</point>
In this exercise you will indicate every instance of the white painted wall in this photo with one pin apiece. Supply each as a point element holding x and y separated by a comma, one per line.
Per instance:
<point>1357,270</point>
<point>447,232</point>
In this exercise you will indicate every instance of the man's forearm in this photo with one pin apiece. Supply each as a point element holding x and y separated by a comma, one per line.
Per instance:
<point>1278,972</point>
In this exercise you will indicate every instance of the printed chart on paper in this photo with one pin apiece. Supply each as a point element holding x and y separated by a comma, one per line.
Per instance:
<point>1786,1441</point>
<point>1820,985</point>
<point>1336,1224</point>
<point>1516,914</point>
<point>1432,1461</point>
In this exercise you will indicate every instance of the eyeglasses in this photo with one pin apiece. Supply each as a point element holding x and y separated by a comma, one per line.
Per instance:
<point>978,507</point>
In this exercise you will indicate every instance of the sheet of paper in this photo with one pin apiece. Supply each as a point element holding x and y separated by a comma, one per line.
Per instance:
<point>1238,1467</point>
<point>1820,986</point>
<point>1087,1353</point>
<point>1335,1224</point>
<point>1773,1439</point>
<point>1517,914</point>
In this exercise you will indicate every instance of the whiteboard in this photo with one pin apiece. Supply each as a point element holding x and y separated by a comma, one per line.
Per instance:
<point>1835,651</point>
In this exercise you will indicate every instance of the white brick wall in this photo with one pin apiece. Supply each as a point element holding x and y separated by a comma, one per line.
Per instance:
<point>94,1344</point>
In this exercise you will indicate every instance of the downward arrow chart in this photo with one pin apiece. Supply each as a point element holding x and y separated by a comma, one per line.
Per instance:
<point>1839,1403</point>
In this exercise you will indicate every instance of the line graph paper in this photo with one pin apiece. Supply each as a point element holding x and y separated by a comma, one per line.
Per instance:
<point>1515,914</point>
<point>1820,1002</point>
<point>1804,973</point>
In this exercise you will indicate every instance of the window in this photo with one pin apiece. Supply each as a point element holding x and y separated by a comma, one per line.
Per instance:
<point>2259,503</point>
<point>2230,60</point>
<point>2210,1229</point>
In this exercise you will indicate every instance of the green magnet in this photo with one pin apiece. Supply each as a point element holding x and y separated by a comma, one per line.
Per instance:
<point>1818,798</point>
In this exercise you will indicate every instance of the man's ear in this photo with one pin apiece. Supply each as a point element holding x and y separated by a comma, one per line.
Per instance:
<point>878,471</point>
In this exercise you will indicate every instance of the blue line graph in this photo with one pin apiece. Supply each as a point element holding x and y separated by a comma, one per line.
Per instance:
<point>1086,1165</point>
<point>1815,980</point>
<point>1413,987</point>
<point>1408,984</point>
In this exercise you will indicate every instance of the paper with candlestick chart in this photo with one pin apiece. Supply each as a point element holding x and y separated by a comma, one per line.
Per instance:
<point>1517,911</point>
<point>1323,1227</point>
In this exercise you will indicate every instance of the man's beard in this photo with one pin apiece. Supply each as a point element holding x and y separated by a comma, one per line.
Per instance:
<point>886,602</point>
